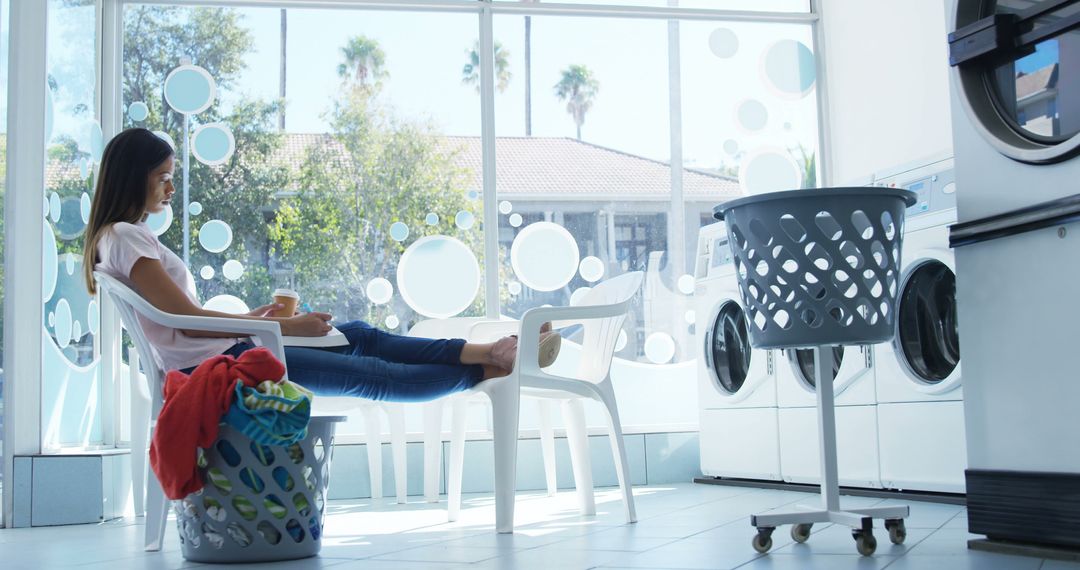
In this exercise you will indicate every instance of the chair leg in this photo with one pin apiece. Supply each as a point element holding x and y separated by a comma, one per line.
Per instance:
<point>547,445</point>
<point>140,433</point>
<point>395,413</point>
<point>373,435</point>
<point>157,514</point>
<point>432,449</point>
<point>458,415</point>
<point>574,416</point>
<point>505,411</point>
<point>618,450</point>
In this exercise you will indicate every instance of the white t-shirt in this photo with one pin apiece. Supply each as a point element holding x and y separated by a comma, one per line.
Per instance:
<point>120,246</point>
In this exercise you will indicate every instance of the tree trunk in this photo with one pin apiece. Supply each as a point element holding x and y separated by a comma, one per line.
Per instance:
<point>528,76</point>
<point>578,131</point>
<point>281,92</point>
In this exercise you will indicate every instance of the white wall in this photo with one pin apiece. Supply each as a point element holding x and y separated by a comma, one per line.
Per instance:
<point>888,84</point>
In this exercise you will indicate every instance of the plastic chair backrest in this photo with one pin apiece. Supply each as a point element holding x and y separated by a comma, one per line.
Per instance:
<point>130,304</point>
<point>601,335</point>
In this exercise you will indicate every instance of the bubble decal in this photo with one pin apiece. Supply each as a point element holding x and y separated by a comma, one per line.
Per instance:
<point>97,141</point>
<point>226,304</point>
<point>194,208</point>
<point>232,270</point>
<point>213,144</point>
<point>788,67</point>
<point>438,276</point>
<point>431,219</point>
<point>731,146</point>
<point>138,111</point>
<point>399,231</point>
<point>752,115</point>
<point>189,89</point>
<point>71,224</point>
<point>620,343</point>
<point>690,317</point>
<point>659,348</point>
<point>579,295</point>
<point>723,43</point>
<point>166,137</point>
<point>544,256</point>
<point>591,269</point>
<point>160,222</point>
<point>93,317</point>
<point>379,291</point>
<point>686,284</point>
<point>769,170</point>
<point>505,207</point>
<point>55,207</point>
<point>215,236</point>
<point>50,259</point>
<point>514,288</point>
<point>76,331</point>
<point>464,220</point>
<point>472,195</point>
<point>84,207</point>
<point>84,168</point>
<point>515,220</point>
<point>392,322</point>
<point>62,328</point>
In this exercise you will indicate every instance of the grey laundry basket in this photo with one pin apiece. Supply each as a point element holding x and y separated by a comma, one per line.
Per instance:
<point>260,503</point>
<point>818,267</point>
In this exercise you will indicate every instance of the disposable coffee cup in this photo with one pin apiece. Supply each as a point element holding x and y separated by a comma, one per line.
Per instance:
<point>288,299</point>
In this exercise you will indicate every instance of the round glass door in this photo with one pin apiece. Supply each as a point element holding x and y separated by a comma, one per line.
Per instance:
<point>730,348</point>
<point>928,334</point>
<point>1019,68</point>
<point>804,357</point>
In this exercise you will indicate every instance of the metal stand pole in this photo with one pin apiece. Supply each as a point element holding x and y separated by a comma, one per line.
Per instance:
<point>830,478</point>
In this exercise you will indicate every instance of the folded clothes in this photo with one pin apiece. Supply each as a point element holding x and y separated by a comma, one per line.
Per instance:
<point>273,413</point>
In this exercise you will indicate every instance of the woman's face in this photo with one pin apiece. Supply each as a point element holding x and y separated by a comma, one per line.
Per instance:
<point>160,188</point>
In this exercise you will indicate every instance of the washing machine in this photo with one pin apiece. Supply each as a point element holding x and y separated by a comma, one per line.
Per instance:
<point>919,394</point>
<point>736,383</point>
<point>1015,89</point>
<point>852,372</point>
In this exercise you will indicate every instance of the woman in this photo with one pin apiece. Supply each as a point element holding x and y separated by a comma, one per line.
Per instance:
<point>135,180</point>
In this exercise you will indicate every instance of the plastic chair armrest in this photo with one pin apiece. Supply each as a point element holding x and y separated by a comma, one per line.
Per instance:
<point>268,332</point>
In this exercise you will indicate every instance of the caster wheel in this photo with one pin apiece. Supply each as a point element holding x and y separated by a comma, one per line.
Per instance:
<point>897,530</point>
<point>801,532</point>
<point>762,541</point>
<point>865,543</point>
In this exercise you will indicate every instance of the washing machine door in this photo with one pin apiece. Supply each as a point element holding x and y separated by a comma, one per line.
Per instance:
<point>927,341</point>
<point>1018,65</point>
<point>734,367</point>
<point>849,363</point>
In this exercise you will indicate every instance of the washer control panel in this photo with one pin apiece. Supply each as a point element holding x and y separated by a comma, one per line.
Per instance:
<point>933,183</point>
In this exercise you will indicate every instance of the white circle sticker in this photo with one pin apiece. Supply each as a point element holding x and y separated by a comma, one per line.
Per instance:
<point>464,220</point>
<point>207,272</point>
<point>392,322</point>
<point>505,207</point>
<point>215,236</point>
<point>769,170</point>
<point>213,144</point>
<point>226,304</point>
<point>138,111</point>
<point>160,222</point>
<point>232,270</point>
<point>544,256</point>
<point>515,220</point>
<point>438,276</point>
<point>189,89</point>
<point>686,284</point>
<point>399,231</point>
<point>723,43</point>
<point>591,269</point>
<point>659,348</point>
<point>379,291</point>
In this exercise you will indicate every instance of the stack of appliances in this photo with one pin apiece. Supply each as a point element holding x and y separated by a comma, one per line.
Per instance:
<point>737,383</point>
<point>920,411</point>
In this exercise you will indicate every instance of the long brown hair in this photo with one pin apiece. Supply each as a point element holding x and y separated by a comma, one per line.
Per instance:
<point>122,185</point>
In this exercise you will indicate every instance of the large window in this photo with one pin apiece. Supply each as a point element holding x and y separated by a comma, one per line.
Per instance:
<point>340,153</point>
<point>4,5</point>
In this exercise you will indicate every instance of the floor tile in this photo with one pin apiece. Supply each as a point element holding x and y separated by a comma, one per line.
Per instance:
<point>971,560</point>
<point>690,553</point>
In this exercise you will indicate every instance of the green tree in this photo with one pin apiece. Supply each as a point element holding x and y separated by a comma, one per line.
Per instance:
<point>364,60</point>
<point>470,74</point>
<point>578,87</point>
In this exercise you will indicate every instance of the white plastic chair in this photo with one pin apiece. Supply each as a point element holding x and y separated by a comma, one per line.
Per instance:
<point>602,313</point>
<point>144,417</point>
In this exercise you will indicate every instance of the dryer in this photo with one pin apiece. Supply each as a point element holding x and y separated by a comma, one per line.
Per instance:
<point>919,393</point>
<point>736,383</point>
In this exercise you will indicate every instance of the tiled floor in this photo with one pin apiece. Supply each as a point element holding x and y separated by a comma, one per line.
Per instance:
<point>682,526</point>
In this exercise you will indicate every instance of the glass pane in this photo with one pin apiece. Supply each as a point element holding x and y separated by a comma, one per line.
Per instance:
<point>928,332</point>
<point>362,191</point>
<point>755,5</point>
<point>71,414</point>
<point>4,29</point>
<point>1040,91</point>
<point>730,348</point>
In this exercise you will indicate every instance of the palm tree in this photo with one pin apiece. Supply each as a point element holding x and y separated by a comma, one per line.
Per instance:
<point>281,71</point>
<point>364,60</point>
<point>578,87</point>
<point>470,74</point>
<point>528,71</point>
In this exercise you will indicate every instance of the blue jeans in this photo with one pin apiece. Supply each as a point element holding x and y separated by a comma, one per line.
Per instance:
<point>378,365</point>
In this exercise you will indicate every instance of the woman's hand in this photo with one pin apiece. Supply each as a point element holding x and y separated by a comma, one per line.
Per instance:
<point>307,324</point>
<point>265,310</point>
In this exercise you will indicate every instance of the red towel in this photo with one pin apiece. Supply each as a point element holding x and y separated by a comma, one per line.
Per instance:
<point>193,409</point>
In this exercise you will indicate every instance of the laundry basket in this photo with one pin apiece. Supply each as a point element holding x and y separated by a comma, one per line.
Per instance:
<point>818,267</point>
<point>259,503</point>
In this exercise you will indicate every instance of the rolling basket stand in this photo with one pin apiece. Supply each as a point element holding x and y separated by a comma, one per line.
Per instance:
<point>820,268</point>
